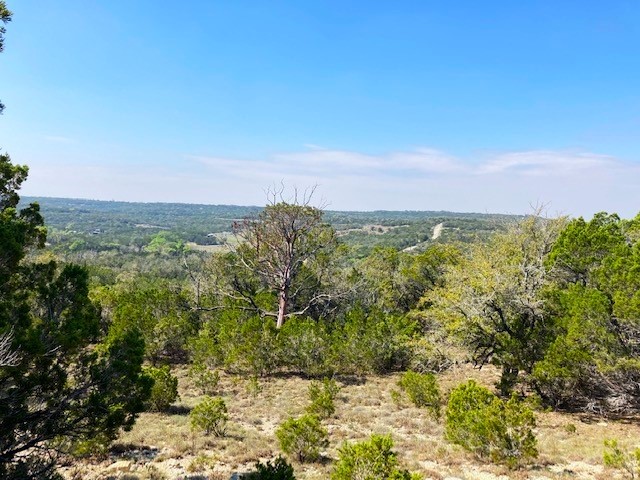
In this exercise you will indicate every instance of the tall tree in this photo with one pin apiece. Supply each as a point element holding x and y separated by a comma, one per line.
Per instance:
<point>61,380</point>
<point>493,299</point>
<point>593,362</point>
<point>282,246</point>
<point>582,246</point>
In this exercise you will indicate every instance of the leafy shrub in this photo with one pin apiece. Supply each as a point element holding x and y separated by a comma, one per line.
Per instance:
<point>484,424</point>
<point>151,305</point>
<point>322,396</point>
<point>210,415</point>
<point>168,340</point>
<point>302,437</point>
<point>165,388</point>
<point>280,469</point>
<point>369,460</point>
<point>204,347</point>
<point>204,379</point>
<point>358,342</point>
<point>304,346</point>
<point>372,342</point>
<point>615,457</point>
<point>422,390</point>
<point>249,346</point>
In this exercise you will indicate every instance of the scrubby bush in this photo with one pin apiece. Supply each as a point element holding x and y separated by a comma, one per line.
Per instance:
<point>396,398</point>
<point>433,354</point>
<point>302,437</point>
<point>210,416</point>
<point>304,346</point>
<point>150,304</point>
<point>372,342</point>
<point>204,347</point>
<point>356,342</point>
<point>591,364</point>
<point>616,457</point>
<point>248,346</point>
<point>280,469</point>
<point>369,460</point>
<point>165,388</point>
<point>422,390</point>
<point>204,379</point>
<point>322,396</point>
<point>482,423</point>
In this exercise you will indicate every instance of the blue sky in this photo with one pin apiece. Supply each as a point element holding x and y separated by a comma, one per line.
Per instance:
<point>465,106</point>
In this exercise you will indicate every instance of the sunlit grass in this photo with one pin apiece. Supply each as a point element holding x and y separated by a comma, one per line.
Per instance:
<point>567,443</point>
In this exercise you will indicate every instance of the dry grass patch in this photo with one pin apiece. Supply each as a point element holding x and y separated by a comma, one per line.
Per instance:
<point>567,443</point>
<point>579,438</point>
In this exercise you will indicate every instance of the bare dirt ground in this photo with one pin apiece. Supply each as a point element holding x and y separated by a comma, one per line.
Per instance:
<point>162,446</point>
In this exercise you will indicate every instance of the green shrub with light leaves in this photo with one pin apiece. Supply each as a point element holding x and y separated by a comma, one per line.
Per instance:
<point>210,416</point>
<point>165,388</point>
<point>422,389</point>
<point>492,428</point>
<point>322,396</point>
<point>372,459</point>
<point>302,437</point>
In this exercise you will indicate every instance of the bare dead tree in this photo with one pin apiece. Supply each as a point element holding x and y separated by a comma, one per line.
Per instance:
<point>283,240</point>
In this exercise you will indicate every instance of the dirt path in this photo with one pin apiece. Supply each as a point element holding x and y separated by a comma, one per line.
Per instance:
<point>437,231</point>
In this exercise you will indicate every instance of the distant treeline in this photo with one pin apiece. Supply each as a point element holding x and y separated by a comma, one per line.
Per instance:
<point>96,225</point>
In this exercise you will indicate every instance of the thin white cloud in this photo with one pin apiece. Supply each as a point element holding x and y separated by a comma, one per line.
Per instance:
<point>428,161</point>
<point>573,182</point>
<point>329,163</point>
<point>423,162</point>
<point>545,162</point>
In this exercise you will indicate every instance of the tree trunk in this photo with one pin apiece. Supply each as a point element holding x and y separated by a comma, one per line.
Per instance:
<point>283,299</point>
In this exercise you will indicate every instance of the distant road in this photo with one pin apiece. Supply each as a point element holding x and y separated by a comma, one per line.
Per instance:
<point>437,231</point>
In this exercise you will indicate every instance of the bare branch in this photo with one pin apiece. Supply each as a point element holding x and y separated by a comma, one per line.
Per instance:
<point>8,356</point>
